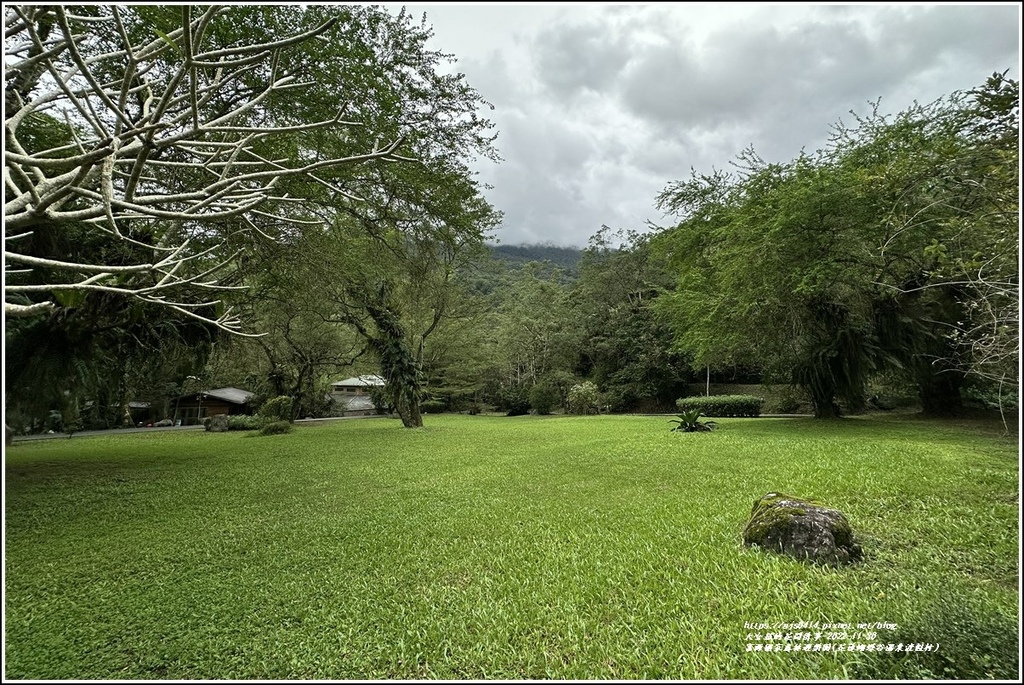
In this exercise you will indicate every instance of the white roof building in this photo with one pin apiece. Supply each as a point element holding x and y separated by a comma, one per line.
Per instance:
<point>352,395</point>
<point>365,382</point>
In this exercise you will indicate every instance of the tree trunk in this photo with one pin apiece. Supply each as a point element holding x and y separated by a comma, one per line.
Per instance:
<point>940,393</point>
<point>824,401</point>
<point>398,365</point>
<point>827,410</point>
<point>410,414</point>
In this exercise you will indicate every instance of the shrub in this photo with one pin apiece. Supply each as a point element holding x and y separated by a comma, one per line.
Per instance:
<point>689,422</point>
<point>432,406</point>
<point>276,428</point>
<point>218,423</point>
<point>985,394</point>
<point>277,409</point>
<point>788,405</point>
<point>543,397</point>
<point>584,398</point>
<point>54,422</point>
<point>241,422</point>
<point>622,398</point>
<point>381,400</point>
<point>514,400</point>
<point>723,405</point>
<point>518,409</point>
<point>785,400</point>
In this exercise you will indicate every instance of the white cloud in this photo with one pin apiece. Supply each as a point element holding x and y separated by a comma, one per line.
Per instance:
<point>598,107</point>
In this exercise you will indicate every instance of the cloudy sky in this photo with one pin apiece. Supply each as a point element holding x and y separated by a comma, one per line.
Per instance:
<point>599,106</point>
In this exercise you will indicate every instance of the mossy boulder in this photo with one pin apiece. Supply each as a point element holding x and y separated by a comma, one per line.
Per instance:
<point>801,528</point>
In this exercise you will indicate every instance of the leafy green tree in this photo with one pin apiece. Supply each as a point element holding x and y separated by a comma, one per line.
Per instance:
<point>764,270</point>
<point>396,239</point>
<point>238,131</point>
<point>626,349</point>
<point>830,268</point>
<point>91,361</point>
<point>544,396</point>
<point>300,353</point>
<point>397,286</point>
<point>533,336</point>
<point>946,181</point>
<point>970,212</point>
<point>159,153</point>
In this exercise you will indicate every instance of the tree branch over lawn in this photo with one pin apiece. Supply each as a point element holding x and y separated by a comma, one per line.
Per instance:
<point>147,140</point>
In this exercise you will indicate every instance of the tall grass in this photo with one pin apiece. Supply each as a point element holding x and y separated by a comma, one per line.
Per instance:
<point>487,547</point>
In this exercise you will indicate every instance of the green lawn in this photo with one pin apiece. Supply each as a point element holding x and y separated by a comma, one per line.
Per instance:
<point>493,547</point>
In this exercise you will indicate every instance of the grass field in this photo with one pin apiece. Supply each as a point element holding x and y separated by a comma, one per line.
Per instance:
<point>511,548</point>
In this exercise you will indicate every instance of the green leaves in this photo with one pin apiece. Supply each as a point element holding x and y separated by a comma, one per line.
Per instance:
<point>689,422</point>
<point>69,298</point>
<point>167,39</point>
<point>788,264</point>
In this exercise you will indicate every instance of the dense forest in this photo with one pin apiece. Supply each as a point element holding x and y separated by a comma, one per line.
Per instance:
<point>565,258</point>
<point>877,272</point>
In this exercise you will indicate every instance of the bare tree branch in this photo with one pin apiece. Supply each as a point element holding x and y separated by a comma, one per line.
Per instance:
<point>138,120</point>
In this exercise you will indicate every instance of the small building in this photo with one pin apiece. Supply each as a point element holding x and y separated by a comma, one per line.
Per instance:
<point>352,395</point>
<point>141,412</point>
<point>191,409</point>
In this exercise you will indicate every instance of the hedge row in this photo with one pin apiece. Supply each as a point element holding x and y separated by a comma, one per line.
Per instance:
<point>239,422</point>
<point>723,405</point>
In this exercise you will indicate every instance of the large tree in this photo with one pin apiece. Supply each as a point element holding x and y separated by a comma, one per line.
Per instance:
<point>147,141</point>
<point>396,287</point>
<point>533,336</point>
<point>626,349</point>
<point>171,154</point>
<point>835,265</point>
<point>382,247</point>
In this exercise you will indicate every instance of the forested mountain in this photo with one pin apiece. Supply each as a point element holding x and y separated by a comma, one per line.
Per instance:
<point>515,256</point>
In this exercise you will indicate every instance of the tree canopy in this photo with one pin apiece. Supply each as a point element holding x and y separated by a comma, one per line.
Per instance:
<point>893,247</point>
<point>167,140</point>
<point>162,160</point>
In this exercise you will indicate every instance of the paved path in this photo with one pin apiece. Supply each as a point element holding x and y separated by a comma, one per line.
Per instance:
<point>164,429</point>
<point>125,431</point>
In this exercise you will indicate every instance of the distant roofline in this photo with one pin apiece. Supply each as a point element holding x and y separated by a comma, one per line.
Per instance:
<point>232,395</point>
<point>363,381</point>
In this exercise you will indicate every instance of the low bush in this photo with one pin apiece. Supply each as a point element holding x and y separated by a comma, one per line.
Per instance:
<point>381,400</point>
<point>584,398</point>
<point>241,422</point>
<point>276,428</point>
<point>985,394</point>
<point>621,399</point>
<point>689,422</point>
<point>723,405</point>
<point>514,400</point>
<point>277,409</point>
<point>218,423</point>
<point>544,397</point>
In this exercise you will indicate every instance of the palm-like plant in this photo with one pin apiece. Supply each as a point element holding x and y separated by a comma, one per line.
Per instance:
<point>689,422</point>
